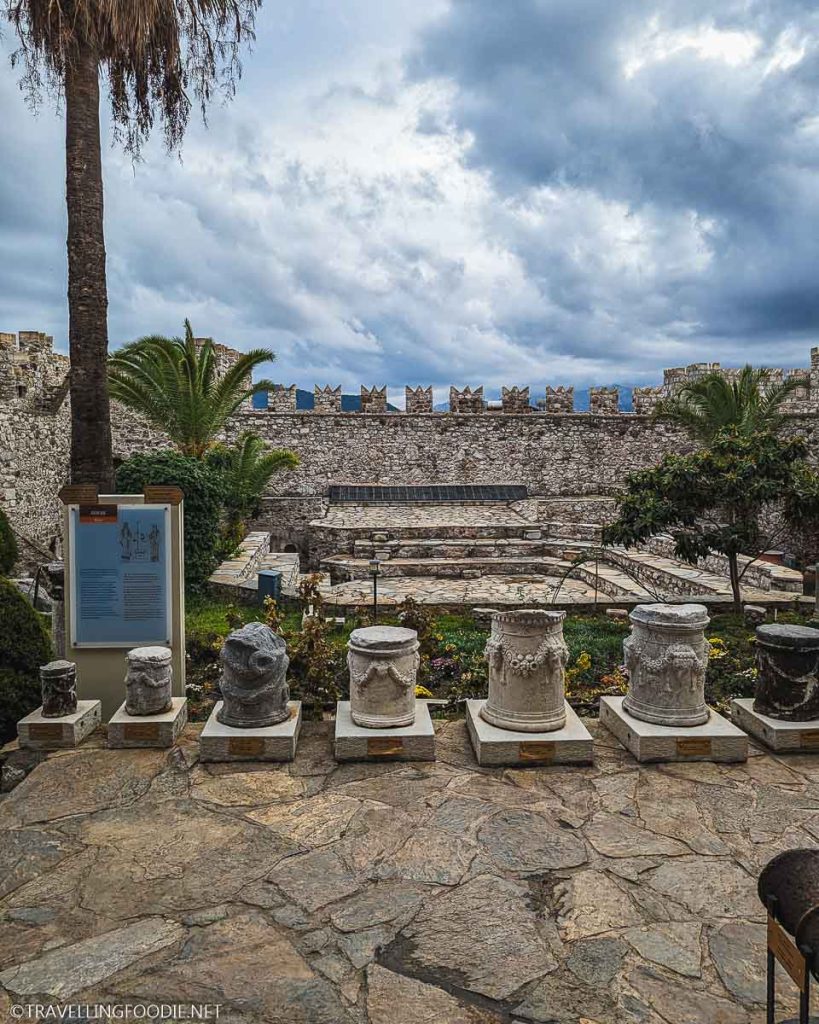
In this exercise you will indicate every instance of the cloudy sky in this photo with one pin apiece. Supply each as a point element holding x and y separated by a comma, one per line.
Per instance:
<point>463,191</point>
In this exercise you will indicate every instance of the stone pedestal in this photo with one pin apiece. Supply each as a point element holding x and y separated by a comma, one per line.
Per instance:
<point>714,740</point>
<point>58,685</point>
<point>414,742</point>
<point>220,742</point>
<point>783,737</point>
<point>148,681</point>
<point>527,656</point>
<point>383,663</point>
<point>160,730</point>
<point>787,660</point>
<point>36,732</point>
<point>666,656</point>
<point>254,679</point>
<point>572,744</point>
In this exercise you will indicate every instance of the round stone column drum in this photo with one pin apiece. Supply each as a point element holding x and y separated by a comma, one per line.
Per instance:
<point>527,657</point>
<point>787,660</point>
<point>58,681</point>
<point>148,681</point>
<point>666,656</point>
<point>383,663</point>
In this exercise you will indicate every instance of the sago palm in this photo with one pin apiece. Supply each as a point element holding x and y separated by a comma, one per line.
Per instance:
<point>749,403</point>
<point>176,385</point>
<point>157,56</point>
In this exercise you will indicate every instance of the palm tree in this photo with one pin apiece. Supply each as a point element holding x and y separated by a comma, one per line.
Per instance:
<point>156,55</point>
<point>712,402</point>
<point>246,469</point>
<point>176,385</point>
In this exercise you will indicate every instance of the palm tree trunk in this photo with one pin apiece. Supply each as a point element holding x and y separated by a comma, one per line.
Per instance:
<point>733,570</point>
<point>91,460</point>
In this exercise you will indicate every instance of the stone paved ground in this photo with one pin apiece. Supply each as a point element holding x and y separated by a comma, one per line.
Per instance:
<point>397,894</point>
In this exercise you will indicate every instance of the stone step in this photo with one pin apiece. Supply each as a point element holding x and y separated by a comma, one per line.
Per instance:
<point>609,579</point>
<point>672,577</point>
<point>472,547</point>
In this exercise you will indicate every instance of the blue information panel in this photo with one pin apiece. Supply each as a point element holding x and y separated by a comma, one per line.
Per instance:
<point>120,575</point>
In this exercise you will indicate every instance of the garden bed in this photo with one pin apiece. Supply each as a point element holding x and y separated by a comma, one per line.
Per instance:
<point>452,662</point>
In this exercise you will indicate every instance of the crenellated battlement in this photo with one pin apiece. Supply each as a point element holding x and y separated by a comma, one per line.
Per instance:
<point>31,372</point>
<point>418,399</point>
<point>373,399</point>
<point>35,376</point>
<point>327,399</point>
<point>515,400</point>
<point>466,400</point>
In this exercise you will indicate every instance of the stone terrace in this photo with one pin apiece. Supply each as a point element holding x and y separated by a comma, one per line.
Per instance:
<point>506,554</point>
<point>392,893</point>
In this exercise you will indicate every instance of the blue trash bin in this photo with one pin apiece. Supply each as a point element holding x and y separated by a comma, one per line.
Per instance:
<point>270,585</point>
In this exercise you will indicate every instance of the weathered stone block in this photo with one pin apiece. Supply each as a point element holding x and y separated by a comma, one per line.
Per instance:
<point>715,740</point>
<point>414,742</point>
<point>572,744</point>
<point>783,737</point>
<point>560,399</point>
<point>36,732</point>
<point>159,730</point>
<point>604,401</point>
<point>218,742</point>
<point>282,399</point>
<point>58,684</point>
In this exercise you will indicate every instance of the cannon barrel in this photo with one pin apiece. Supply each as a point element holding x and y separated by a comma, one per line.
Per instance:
<point>789,887</point>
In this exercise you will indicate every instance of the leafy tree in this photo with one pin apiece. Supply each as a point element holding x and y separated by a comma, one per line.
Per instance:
<point>202,488</point>
<point>712,403</point>
<point>8,545</point>
<point>246,470</point>
<point>175,384</point>
<point>157,55</point>
<point>711,500</point>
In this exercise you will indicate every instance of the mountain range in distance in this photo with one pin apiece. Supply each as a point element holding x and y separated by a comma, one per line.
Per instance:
<point>352,403</point>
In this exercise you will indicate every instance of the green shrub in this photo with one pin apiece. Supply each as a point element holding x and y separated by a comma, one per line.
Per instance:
<point>8,546</point>
<point>202,488</point>
<point>24,646</point>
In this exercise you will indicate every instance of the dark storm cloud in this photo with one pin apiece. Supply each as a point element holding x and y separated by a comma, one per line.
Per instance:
<point>536,191</point>
<point>710,121</point>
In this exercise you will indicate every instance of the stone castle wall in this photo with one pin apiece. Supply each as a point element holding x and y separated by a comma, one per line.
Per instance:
<point>557,453</point>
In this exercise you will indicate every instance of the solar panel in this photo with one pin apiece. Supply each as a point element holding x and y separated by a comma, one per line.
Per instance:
<point>389,494</point>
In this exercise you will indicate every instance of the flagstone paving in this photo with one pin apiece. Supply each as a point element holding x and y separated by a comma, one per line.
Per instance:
<point>390,893</point>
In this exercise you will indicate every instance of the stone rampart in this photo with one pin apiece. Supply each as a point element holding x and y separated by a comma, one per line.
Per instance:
<point>557,454</point>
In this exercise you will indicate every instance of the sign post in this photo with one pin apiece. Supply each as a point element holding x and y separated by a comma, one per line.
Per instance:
<point>124,586</point>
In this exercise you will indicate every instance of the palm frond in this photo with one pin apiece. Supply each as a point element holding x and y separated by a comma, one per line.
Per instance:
<point>713,402</point>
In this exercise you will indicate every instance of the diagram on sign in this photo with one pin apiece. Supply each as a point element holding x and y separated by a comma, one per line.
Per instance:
<point>136,545</point>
